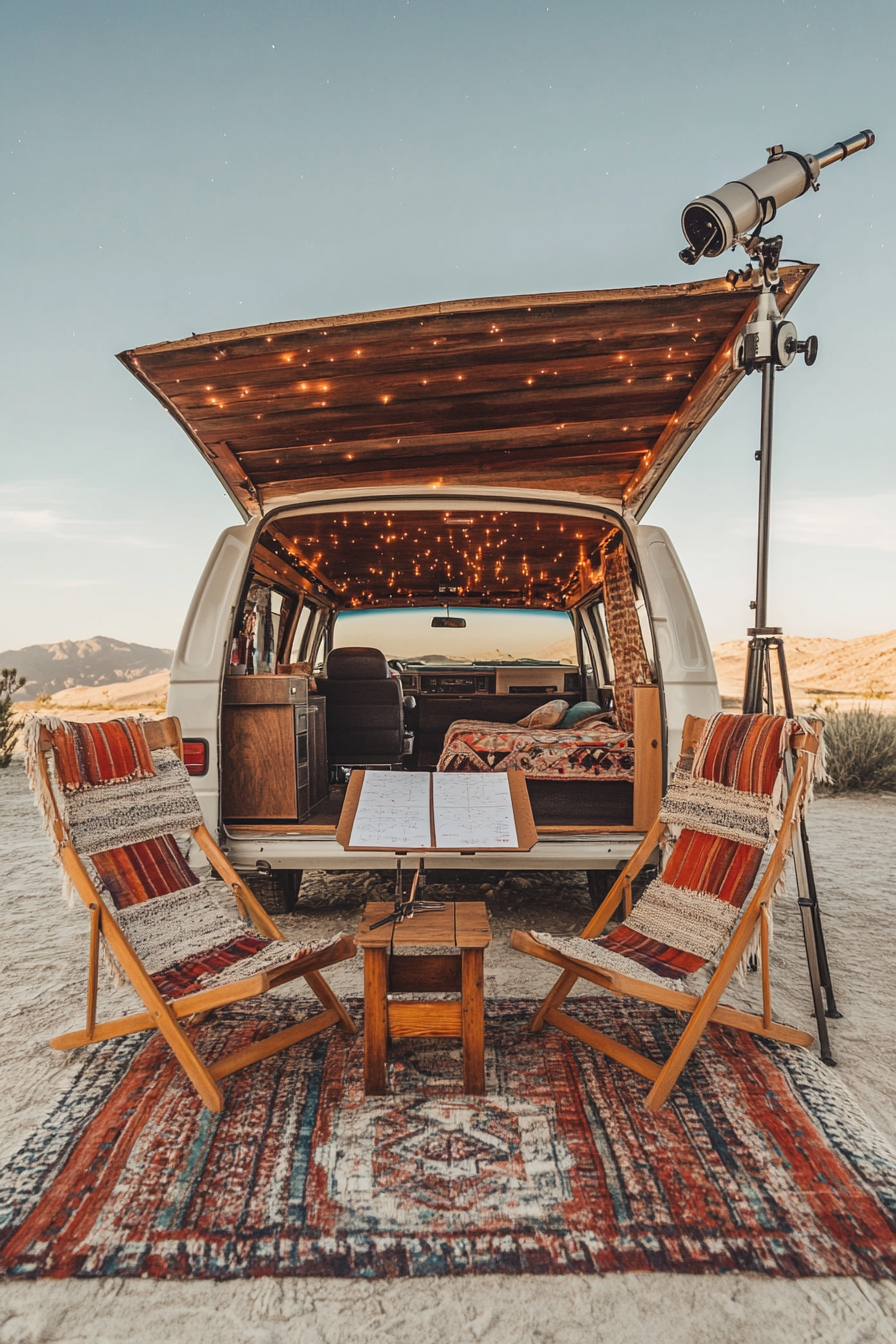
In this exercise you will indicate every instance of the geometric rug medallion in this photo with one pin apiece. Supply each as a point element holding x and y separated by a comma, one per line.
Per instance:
<point>759,1163</point>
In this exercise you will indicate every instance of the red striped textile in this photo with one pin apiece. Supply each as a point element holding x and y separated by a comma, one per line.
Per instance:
<point>90,754</point>
<point>669,962</point>
<point>741,751</point>
<point>699,862</point>
<point>137,872</point>
<point>186,977</point>
<point>714,866</point>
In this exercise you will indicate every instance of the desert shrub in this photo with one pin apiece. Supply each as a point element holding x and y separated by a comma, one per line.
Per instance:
<point>9,684</point>
<point>861,750</point>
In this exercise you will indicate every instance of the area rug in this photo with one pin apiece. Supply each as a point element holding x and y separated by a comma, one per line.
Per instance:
<point>759,1164</point>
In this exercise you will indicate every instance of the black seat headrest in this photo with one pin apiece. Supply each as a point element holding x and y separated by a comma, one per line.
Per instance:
<point>354,664</point>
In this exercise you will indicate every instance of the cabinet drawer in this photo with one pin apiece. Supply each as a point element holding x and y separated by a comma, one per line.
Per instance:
<point>265,690</point>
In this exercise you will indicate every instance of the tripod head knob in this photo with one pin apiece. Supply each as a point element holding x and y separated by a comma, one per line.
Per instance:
<point>808,349</point>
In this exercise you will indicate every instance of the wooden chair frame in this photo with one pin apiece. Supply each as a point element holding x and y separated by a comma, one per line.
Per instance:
<point>166,1016</point>
<point>703,1008</point>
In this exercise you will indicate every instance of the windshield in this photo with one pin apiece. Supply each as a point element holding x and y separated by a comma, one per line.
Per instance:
<point>491,636</point>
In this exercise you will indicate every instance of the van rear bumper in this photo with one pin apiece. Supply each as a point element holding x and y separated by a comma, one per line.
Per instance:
<point>324,853</point>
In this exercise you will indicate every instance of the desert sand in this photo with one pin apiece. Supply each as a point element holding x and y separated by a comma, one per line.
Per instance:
<point>44,955</point>
<point>830,673</point>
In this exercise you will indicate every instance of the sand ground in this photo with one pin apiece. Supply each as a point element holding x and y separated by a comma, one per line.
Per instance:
<point>44,955</point>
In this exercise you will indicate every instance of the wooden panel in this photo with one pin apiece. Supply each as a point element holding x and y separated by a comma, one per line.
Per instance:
<point>431,974</point>
<point>471,923</point>
<point>318,773</point>
<point>164,733</point>
<point>373,912</point>
<point>575,803</point>
<point>375,1021</point>
<point>473,1020</point>
<point>648,757</point>
<point>429,927</point>
<point>425,1019</point>
<point>258,761</point>
<point>268,689</point>
<point>469,369</point>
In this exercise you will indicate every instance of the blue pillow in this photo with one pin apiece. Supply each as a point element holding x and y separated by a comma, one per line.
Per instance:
<point>583,710</point>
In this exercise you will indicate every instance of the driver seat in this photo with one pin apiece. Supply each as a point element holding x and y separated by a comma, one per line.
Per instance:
<point>365,709</point>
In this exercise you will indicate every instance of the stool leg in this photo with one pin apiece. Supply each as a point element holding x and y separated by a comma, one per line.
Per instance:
<point>376,1022</point>
<point>473,1020</point>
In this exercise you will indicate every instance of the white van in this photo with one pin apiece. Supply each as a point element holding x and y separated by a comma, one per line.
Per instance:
<point>441,537</point>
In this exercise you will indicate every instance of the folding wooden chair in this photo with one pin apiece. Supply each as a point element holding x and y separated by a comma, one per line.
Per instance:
<point>674,929</point>
<point>167,933</point>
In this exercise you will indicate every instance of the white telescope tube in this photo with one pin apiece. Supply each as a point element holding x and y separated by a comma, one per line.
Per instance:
<point>714,223</point>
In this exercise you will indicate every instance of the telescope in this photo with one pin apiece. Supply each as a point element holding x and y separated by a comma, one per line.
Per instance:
<point>733,216</point>
<point>713,224</point>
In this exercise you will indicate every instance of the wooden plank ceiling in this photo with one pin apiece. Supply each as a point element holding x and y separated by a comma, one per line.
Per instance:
<point>422,557</point>
<point>599,392</point>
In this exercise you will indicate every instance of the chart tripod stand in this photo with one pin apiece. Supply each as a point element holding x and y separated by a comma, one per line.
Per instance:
<point>759,699</point>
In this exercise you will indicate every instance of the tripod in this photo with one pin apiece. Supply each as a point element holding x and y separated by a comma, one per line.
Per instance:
<point>770,344</point>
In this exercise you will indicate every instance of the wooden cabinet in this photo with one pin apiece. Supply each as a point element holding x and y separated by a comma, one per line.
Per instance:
<point>318,770</point>
<point>265,767</point>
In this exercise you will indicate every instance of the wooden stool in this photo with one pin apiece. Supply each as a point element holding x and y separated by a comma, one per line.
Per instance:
<point>464,926</point>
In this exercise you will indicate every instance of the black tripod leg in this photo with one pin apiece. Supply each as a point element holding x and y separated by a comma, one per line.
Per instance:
<point>805,875</point>
<point>824,1042</point>
<point>824,969</point>
<point>753,680</point>
<point>811,918</point>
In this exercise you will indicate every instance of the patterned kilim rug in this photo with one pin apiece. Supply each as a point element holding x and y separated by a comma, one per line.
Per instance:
<point>760,1162</point>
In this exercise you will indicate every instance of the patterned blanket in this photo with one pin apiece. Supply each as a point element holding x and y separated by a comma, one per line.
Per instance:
<point>598,753</point>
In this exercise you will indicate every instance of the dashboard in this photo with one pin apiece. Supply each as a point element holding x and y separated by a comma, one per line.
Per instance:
<point>476,679</point>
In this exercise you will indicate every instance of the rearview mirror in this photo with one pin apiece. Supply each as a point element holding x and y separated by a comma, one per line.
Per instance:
<point>448,623</point>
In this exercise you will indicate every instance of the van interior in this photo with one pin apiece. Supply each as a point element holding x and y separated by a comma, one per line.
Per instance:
<point>418,639</point>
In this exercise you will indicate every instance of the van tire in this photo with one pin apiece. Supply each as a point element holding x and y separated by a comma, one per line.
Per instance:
<point>600,880</point>
<point>276,891</point>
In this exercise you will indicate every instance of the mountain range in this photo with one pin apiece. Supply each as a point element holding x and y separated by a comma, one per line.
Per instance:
<point>82,662</point>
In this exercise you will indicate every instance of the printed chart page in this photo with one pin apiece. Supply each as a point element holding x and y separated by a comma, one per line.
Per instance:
<point>393,811</point>
<point>473,812</point>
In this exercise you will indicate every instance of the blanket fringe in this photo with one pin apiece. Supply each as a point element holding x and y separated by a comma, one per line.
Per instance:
<point>752,956</point>
<point>43,798</point>
<point>112,966</point>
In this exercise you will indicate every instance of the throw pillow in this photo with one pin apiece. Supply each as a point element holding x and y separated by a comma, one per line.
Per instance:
<point>546,716</point>
<point>604,720</point>
<point>583,710</point>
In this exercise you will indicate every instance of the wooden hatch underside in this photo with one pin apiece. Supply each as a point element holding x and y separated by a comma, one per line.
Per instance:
<point>599,392</point>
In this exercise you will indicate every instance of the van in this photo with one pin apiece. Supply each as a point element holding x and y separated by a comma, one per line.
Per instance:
<point>441,563</point>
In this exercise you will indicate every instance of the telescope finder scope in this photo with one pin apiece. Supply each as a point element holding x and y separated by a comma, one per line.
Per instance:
<point>714,223</point>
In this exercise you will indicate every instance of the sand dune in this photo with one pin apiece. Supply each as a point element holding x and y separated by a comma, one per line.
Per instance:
<point>145,695</point>
<point>118,694</point>
<point>826,671</point>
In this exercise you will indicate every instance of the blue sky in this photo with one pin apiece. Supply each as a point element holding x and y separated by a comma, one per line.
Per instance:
<point>188,167</point>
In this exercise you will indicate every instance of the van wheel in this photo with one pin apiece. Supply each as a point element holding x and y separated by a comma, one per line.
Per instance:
<point>600,880</point>
<point>276,891</point>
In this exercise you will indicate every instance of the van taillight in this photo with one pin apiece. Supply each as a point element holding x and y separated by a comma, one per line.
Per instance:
<point>195,755</point>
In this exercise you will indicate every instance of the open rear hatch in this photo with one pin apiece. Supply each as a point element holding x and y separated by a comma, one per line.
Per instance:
<point>599,392</point>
